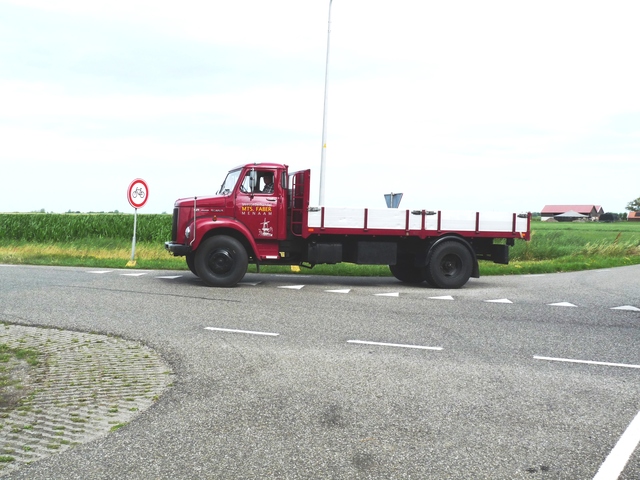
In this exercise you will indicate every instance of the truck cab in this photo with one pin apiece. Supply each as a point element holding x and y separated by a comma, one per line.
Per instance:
<point>247,216</point>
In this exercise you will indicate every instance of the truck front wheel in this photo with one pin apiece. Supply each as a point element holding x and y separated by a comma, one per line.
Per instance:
<point>221,261</point>
<point>191,262</point>
<point>449,266</point>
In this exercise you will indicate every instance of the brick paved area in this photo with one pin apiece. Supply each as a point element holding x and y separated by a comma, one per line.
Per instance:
<point>84,386</point>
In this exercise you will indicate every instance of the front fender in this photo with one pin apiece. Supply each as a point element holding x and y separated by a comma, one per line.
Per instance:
<point>204,227</point>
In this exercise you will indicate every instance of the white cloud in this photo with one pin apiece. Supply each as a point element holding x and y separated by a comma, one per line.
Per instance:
<point>464,103</point>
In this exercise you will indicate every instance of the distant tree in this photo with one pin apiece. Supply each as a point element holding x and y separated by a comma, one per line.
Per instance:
<point>607,217</point>
<point>634,205</point>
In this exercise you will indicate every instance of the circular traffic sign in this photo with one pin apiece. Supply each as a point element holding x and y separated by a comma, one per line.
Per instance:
<point>138,193</point>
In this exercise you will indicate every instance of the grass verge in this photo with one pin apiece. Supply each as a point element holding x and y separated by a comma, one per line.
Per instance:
<point>554,247</point>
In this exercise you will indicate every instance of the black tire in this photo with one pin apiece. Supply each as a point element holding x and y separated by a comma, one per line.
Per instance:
<point>221,261</point>
<point>191,262</point>
<point>449,266</point>
<point>408,273</point>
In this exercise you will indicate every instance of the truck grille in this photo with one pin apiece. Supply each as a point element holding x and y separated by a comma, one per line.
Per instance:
<point>174,225</point>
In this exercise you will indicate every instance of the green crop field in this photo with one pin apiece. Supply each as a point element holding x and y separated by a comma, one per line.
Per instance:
<point>68,227</point>
<point>104,240</point>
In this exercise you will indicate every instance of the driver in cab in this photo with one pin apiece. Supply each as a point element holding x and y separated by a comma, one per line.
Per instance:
<point>268,184</point>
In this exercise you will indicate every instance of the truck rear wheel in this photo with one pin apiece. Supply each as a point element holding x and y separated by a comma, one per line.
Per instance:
<point>221,261</point>
<point>408,273</point>
<point>449,266</point>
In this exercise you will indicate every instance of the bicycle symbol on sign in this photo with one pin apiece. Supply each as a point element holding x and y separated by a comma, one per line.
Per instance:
<point>138,192</point>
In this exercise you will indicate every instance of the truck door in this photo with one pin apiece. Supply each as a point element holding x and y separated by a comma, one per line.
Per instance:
<point>259,201</point>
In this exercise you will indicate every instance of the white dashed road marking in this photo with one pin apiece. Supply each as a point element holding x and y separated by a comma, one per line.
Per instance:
<point>394,294</point>
<point>346,290</point>
<point>561,304</point>
<point>169,277</point>
<point>293,287</point>
<point>248,332</point>
<point>443,297</point>
<point>501,300</point>
<point>133,274</point>
<point>382,344</point>
<point>619,456</point>
<point>627,307</point>
<point>588,362</point>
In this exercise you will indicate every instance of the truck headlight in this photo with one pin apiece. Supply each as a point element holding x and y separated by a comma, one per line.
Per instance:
<point>187,232</point>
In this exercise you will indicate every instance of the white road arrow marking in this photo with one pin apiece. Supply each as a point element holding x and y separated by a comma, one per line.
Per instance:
<point>562,304</point>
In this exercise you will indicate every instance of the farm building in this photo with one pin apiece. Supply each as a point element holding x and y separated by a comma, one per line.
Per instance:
<point>633,217</point>
<point>590,212</point>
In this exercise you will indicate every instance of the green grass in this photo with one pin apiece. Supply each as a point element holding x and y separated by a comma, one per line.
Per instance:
<point>104,241</point>
<point>563,247</point>
<point>11,390</point>
<point>27,354</point>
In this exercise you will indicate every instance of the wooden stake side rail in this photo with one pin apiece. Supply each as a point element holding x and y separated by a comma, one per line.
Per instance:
<point>420,223</point>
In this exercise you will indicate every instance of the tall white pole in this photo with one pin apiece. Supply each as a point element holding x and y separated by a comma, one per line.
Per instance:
<point>323,156</point>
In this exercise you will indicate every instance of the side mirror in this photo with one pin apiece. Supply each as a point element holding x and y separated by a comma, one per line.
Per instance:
<point>253,180</point>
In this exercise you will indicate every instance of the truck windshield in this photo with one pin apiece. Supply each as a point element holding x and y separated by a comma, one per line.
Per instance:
<point>227,186</point>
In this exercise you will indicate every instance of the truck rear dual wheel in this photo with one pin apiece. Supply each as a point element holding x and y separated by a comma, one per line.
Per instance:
<point>449,266</point>
<point>407,272</point>
<point>221,261</point>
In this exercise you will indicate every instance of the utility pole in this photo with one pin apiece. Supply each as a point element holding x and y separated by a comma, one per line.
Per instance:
<point>323,156</point>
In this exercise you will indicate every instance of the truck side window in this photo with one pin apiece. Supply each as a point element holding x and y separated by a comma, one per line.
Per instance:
<point>245,187</point>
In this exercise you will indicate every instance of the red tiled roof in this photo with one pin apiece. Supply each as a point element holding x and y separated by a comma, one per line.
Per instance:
<point>634,215</point>
<point>584,209</point>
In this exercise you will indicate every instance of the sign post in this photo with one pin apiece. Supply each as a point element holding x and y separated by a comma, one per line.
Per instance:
<point>137,194</point>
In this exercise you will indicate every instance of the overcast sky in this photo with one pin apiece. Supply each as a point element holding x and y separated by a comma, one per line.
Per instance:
<point>492,105</point>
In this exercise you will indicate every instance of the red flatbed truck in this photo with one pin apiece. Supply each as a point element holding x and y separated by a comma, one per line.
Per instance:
<point>220,235</point>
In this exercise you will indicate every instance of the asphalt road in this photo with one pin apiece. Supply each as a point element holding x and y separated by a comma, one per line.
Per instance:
<point>323,377</point>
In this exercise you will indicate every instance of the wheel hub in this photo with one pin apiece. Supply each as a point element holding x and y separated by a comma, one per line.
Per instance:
<point>450,265</point>
<point>221,261</point>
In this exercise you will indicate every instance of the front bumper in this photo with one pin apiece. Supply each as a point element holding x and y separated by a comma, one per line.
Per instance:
<point>177,249</point>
